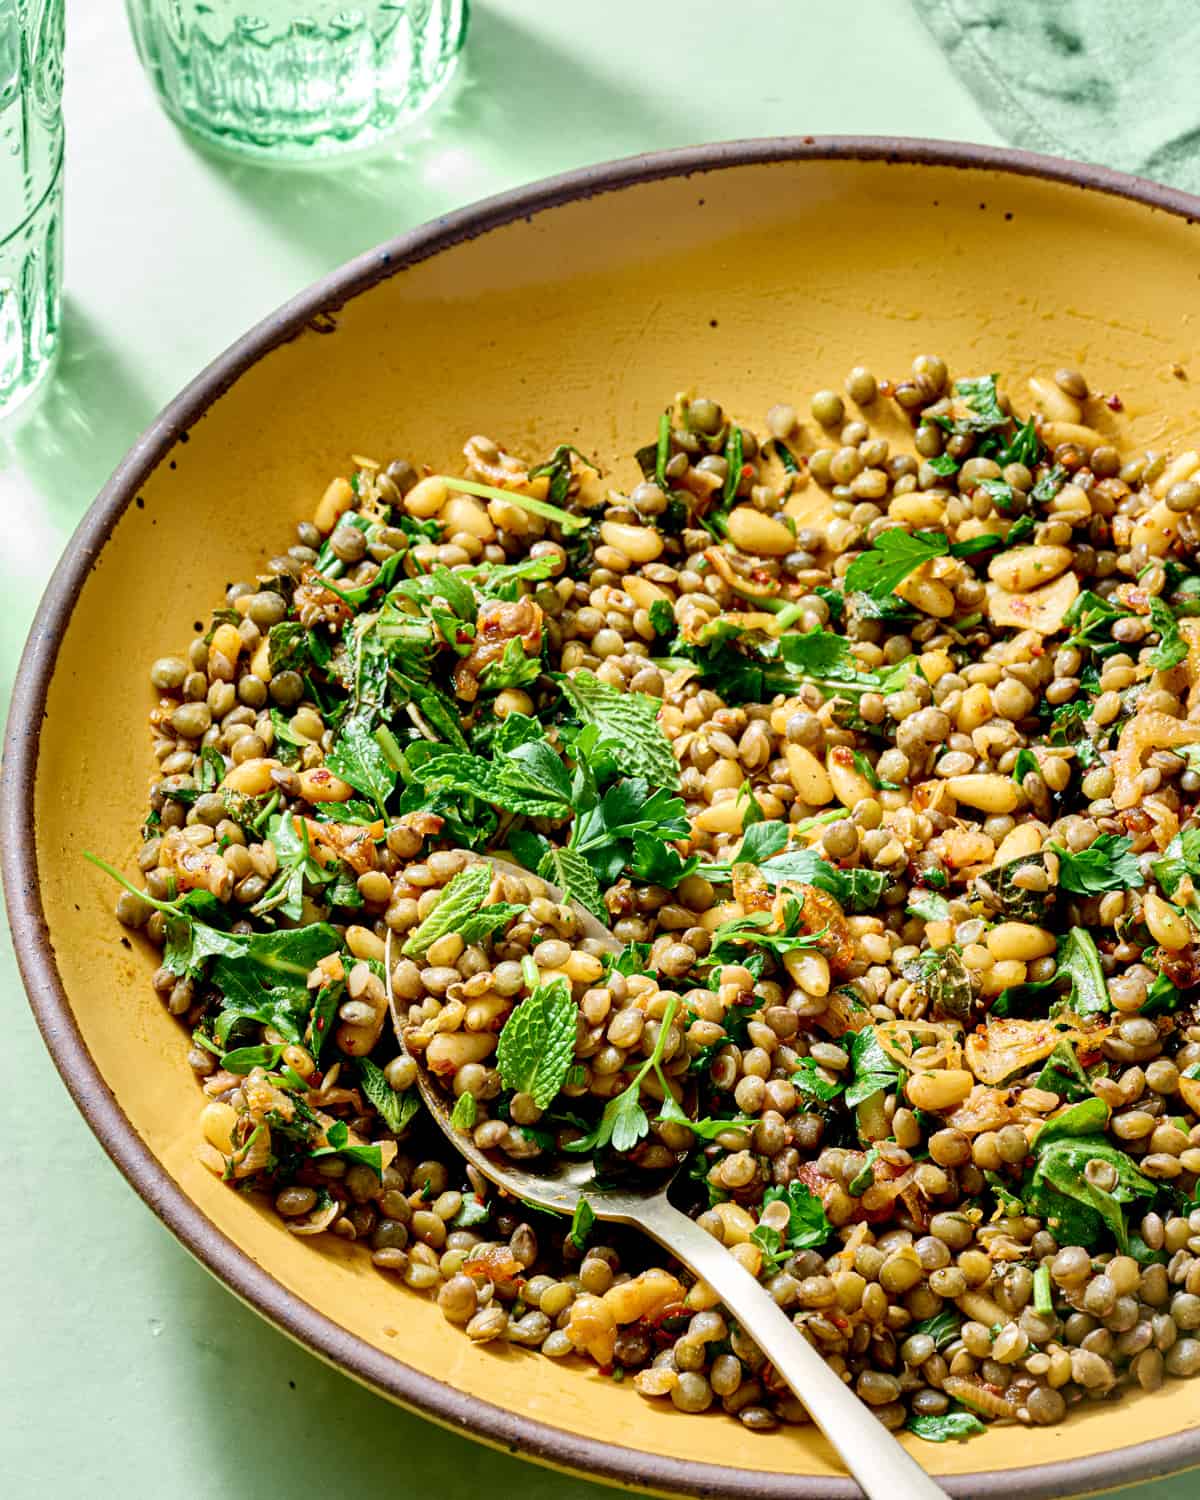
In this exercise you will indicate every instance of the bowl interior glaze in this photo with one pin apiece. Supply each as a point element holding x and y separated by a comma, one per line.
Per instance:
<point>570,312</point>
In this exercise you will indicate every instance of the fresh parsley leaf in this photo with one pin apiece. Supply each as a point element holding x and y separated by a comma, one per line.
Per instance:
<point>338,1141</point>
<point>624,1122</point>
<point>395,1109</point>
<point>658,863</point>
<point>1171,648</point>
<point>944,465</point>
<point>1025,447</point>
<point>538,1042</point>
<point>1106,865</point>
<point>950,1427</point>
<point>513,669</point>
<point>894,555</point>
<point>811,1082</point>
<point>808,1228</point>
<point>627,720</point>
<point>1178,872</point>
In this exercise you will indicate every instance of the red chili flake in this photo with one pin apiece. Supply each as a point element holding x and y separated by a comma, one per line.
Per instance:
<point>320,1023</point>
<point>747,471</point>
<point>1114,403</point>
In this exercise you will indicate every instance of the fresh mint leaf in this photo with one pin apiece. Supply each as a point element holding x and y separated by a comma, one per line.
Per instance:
<point>538,1042</point>
<point>242,1059</point>
<point>1025,762</point>
<point>943,1328</point>
<point>1049,485</point>
<point>1106,865</point>
<point>977,408</point>
<point>462,898</point>
<point>574,877</point>
<point>396,1110</point>
<point>928,905</point>
<point>894,555</point>
<point>628,720</point>
<point>357,758</point>
<point>525,788</point>
<point>462,1116</point>
<point>581,1224</point>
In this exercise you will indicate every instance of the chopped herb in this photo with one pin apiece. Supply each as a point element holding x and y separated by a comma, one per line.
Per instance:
<point>1105,865</point>
<point>537,1043</point>
<point>462,1116</point>
<point>396,1110</point>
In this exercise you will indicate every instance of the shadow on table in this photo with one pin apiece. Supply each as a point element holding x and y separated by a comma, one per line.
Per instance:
<point>503,118</point>
<point>262,1414</point>
<point>76,431</point>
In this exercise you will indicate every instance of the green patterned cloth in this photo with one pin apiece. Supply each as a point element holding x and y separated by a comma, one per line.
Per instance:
<point>1110,81</point>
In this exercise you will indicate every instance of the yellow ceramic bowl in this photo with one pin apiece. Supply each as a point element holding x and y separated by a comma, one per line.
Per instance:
<point>567,311</point>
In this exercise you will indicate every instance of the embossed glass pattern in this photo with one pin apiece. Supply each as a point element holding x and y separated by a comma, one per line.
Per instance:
<point>31,157</point>
<point>295,80</point>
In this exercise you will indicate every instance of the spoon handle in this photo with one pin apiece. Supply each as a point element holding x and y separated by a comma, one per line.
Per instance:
<point>882,1467</point>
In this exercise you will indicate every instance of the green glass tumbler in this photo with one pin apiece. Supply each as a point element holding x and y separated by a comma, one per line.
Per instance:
<point>31,184</point>
<point>297,80</point>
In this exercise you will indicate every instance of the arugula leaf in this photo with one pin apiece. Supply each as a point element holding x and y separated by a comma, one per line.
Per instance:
<point>1063,1075</point>
<point>357,758</point>
<point>1106,865</point>
<point>1025,447</point>
<point>1078,962</point>
<point>574,877</point>
<point>538,1042</point>
<point>242,1059</point>
<point>943,1328</point>
<point>1049,485</point>
<point>894,554</point>
<point>1059,1191</point>
<point>628,720</point>
<point>1091,619</point>
<point>557,469</point>
<point>1171,648</point>
<point>1163,1000</point>
<point>950,1427</point>
<point>396,1110</point>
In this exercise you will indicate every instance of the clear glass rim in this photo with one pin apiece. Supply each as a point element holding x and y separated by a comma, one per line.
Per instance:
<point>51,186</point>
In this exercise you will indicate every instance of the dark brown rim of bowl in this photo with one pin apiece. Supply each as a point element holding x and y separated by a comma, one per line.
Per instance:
<point>35,954</point>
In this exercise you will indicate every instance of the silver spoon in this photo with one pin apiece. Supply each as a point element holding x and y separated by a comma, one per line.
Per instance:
<point>881,1466</point>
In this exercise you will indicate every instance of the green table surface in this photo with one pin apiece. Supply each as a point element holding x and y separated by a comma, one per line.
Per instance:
<point>127,1370</point>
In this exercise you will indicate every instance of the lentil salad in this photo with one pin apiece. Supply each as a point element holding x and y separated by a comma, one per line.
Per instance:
<point>879,765</point>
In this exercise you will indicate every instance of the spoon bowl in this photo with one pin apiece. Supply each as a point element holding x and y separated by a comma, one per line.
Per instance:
<point>879,1464</point>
